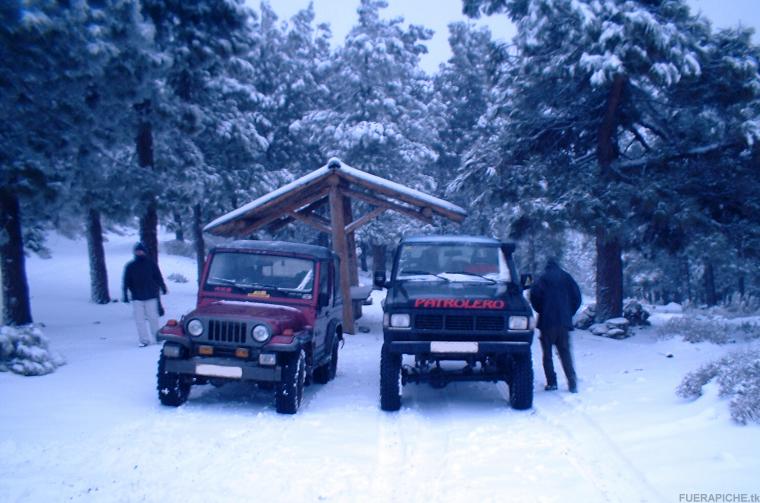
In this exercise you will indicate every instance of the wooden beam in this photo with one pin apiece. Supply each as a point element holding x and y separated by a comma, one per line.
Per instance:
<point>315,221</point>
<point>384,203</point>
<point>283,209</point>
<point>340,246</point>
<point>364,219</point>
<point>309,209</point>
<point>407,198</point>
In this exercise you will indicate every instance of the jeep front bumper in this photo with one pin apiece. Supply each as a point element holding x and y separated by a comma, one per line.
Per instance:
<point>224,368</point>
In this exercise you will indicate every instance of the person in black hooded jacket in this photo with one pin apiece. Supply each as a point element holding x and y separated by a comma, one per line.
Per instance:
<point>143,280</point>
<point>556,297</point>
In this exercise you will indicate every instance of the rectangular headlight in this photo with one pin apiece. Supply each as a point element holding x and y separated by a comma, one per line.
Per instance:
<point>402,320</point>
<point>172,351</point>
<point>518,322</point>
<point>267,359</point>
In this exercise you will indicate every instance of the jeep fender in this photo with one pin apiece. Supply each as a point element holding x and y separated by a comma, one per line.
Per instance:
<point>177,339</point>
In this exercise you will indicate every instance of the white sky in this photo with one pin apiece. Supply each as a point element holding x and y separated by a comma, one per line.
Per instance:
<point>437,14</point>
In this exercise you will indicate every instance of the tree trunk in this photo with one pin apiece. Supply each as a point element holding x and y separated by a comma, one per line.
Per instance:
<point>97,255</point>
<point>149,228</point>
<point>179,230</point>
<point>378,257</point>
<point>363,248</point>
<point>711,297</point>
<point>609,277</point>
<point>198,241</point>
<point>17,309</point>
<point>609,250</point>
<point>144,147</point>
<point>687,277</point>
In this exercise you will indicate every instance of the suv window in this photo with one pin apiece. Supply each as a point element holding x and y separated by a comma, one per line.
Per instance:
<point>324,278</point>
<point>456,262</point>
<point>264,275</point>
<point>338,295</point>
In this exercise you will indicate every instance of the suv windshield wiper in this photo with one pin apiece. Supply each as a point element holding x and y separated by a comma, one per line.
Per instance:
<point>470,274</point>
<point>406,272</point>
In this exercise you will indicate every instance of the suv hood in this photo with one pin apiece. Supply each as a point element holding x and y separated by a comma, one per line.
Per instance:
<point>277,316</point>
<point>465,295</point>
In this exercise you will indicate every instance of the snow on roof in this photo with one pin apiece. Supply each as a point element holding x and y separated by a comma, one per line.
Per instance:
<point>401,189</point>
<point>270,196</point>
<point>351,174</point>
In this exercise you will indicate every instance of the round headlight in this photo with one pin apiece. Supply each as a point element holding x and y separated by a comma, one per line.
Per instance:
<point>260,333</point>
<point>195,327</point>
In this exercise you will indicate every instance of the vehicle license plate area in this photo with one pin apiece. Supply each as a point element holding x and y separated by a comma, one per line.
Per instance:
<point>218,371</point>
<point>453,347</point>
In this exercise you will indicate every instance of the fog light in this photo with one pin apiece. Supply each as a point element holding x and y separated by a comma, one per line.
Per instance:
<point>267,359</point>
<point>242,352</point>
<point>206,350</point>
<point>518,322</point>
<point>172,351</point>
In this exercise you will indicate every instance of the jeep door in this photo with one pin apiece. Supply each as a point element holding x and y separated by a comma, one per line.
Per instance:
<point>325,313</point>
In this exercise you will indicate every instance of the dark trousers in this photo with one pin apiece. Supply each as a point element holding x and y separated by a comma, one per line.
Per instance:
<point>560,337</point>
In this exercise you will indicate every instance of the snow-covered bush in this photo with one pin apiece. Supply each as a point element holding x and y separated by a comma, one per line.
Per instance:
<point>177,278</point>
<point>24,350</point>
<point>738,378</point>
<point>702,329</point>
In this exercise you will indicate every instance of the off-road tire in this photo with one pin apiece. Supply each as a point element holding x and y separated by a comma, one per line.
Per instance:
<point>521,387</point>
<point>326,372</point>
<point>390,380</point>
<point>289,392</point>
<point>173,388</point>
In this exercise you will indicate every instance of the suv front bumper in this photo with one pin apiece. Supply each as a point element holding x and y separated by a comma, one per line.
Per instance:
<point>224,368</point>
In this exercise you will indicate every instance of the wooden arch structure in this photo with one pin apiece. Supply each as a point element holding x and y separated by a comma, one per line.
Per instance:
<point>334,185</point>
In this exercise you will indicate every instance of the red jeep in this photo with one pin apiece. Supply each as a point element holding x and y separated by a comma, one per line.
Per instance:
<point>268,312</point>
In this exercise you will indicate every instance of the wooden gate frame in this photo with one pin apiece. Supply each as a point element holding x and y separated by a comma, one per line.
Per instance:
<point>334,184</point>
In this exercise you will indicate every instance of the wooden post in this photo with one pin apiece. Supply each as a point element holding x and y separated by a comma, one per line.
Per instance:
<point>340,246</point>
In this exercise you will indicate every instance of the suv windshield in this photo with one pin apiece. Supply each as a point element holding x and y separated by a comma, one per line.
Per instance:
<point>452,262</point>
<point>261,275</point>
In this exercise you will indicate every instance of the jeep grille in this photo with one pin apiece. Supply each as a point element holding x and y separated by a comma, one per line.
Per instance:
<point>227,331</point>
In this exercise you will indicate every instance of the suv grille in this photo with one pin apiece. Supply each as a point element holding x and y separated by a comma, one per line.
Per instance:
<point>428,321</point>
<point>489,323</point>
<point>227,331</point>
<point>460,323</point>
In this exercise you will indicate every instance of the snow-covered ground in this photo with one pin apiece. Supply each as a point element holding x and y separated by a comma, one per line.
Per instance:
<point>94,430</point>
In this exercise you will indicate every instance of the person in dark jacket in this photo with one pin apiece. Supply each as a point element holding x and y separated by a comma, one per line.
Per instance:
<point>556,297</point>
<point>142,281</point>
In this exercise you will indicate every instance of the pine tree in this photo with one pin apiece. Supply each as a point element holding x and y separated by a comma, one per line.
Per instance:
<point>597,116</point>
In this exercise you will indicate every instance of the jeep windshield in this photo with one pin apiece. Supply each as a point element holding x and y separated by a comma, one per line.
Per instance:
<point>261,276</point>
<point>453,262</point>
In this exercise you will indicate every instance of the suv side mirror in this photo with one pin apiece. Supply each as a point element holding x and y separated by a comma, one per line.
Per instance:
<point>379,279</point>
<point>526,280</point>
<point>323,299</point>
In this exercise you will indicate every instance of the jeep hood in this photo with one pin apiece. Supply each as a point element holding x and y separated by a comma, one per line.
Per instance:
<point>277,316</point>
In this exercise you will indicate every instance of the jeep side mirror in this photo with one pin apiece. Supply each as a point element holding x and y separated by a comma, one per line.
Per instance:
<point>526,280</point>
<point>379,279</point>
<point>323,299</point>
